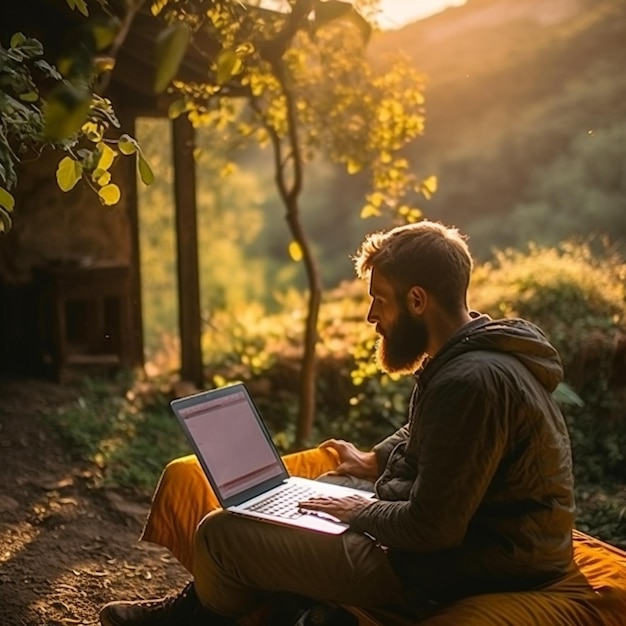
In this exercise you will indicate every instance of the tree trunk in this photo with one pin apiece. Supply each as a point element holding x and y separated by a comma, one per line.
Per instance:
<point>288,178</point>
<point>306,407</point>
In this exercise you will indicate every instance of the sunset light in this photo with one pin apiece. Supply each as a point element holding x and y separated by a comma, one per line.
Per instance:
<point>397,13</point>
<point>375,243</point>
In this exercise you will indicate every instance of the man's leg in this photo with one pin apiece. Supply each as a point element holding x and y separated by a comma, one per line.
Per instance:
<point>237,561</point>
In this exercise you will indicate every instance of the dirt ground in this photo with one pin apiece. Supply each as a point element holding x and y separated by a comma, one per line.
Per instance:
<point>66,547</point>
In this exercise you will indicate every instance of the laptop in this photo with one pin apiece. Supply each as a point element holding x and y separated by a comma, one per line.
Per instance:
<point>242,464</point>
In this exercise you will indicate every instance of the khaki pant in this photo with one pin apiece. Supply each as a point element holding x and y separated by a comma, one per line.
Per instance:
<point>237,561</point>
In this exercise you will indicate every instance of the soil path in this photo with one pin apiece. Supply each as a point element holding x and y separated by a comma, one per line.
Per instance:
<point>66,547</point>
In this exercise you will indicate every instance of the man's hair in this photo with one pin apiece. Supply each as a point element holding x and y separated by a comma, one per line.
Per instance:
<point>427,254</point>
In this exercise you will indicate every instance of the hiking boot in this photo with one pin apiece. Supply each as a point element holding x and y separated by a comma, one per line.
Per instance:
<point>181,609</point>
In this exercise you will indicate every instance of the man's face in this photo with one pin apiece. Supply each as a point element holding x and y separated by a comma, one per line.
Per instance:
<point>403,337</point>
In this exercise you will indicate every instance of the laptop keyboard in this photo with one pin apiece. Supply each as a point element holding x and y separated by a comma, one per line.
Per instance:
<point>284,503</point>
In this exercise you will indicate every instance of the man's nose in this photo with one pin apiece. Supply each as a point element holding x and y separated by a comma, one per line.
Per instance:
<point>371,317</point>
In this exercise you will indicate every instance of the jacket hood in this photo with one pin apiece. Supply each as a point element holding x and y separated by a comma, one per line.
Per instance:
<point>518,337</point>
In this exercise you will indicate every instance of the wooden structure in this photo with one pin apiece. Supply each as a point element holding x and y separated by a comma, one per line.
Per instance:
<point>130,88</point>
<point>99,296</point>
<point>132,93</point>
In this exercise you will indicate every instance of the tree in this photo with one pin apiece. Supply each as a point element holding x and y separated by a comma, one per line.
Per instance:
<point>301,81</point>
<point>59,106</point>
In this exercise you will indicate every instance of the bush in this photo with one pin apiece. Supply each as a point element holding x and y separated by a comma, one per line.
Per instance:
<point>577,294</point>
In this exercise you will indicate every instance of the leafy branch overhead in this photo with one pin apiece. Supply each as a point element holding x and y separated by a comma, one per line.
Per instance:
<point>45,105</point>
<point>348,109</point>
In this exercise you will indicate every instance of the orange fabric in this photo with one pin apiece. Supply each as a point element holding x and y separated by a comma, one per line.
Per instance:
<point>595,596</point>
<point>183,497</point>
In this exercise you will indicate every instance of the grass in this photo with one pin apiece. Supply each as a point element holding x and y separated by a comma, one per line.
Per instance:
<point>126,430</point>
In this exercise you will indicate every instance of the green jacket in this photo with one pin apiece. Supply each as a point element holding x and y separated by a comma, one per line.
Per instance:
<point>477,492</point>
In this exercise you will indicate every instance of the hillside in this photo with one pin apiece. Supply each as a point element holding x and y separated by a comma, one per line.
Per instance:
<point>524,100</point>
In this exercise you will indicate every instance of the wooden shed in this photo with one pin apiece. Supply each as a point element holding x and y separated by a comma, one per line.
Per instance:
<point>70,284</point>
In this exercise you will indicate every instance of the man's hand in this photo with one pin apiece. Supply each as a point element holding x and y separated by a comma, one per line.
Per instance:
<point>342,508</point>
<point>353,462</point>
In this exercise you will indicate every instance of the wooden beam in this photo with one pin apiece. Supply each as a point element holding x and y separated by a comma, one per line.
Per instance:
<point>183,143</point>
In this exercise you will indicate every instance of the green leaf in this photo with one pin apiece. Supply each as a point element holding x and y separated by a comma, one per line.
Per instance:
<point>104,35</point>
<point>428,186</point>
<point>110,194</point>
<point>47,69</point>
<point>29,96</point>
<point>17,40</point>
<point>92,131</point>
<point>177,108</point>
<point>65,112</point>
<point>295,251</point>
<point>100,176</point>
<point>565,395</point>
<point>80,5</point>
<point>107,156</point>
<point>369,211</point>
<point>145,171</point>
<point>5,221</point>
<point>69,172</point>
<point>25,48</point>
<point>228,65</point>
<point>353,166</point>
<point>7,201</point>
<point>171,45</point>
<point>127,145</point>
<point>157,6</point>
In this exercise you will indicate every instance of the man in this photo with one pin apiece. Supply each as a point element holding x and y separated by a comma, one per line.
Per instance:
<point>474,493</point>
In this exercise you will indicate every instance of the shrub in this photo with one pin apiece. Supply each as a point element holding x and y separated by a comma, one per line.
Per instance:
<point>577,294</point>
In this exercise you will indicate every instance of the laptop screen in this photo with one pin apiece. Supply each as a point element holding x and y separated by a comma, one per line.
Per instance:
<point>230,440</point>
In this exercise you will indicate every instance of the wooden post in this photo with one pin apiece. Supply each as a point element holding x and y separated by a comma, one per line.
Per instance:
<point>127,120</point>
<point>183,143</point>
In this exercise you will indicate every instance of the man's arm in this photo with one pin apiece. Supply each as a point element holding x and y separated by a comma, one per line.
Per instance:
<point>352,461</point>
<point>368,465</point>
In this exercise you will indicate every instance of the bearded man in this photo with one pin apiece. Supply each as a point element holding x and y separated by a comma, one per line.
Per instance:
<point>473,495</point>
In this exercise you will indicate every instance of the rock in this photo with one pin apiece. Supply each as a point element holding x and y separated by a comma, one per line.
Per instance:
<point>53,484</point>
<point>121,505</point>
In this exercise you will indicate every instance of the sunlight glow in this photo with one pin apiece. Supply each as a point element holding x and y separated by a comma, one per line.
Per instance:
<point>390,14</point>
<point>16,539</point>
<point>396,13</point>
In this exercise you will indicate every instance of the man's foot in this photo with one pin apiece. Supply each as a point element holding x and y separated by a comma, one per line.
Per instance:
<point>182,609</point>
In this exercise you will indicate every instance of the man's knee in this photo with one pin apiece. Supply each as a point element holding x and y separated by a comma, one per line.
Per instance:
<point>213,526</point>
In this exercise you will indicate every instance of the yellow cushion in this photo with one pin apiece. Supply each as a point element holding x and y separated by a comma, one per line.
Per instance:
<point>598,597</point>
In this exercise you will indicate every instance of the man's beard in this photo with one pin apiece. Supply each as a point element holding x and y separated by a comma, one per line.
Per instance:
<point>403,348</point>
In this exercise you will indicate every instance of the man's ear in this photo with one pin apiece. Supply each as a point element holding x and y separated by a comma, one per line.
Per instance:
<point>416,300</point>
